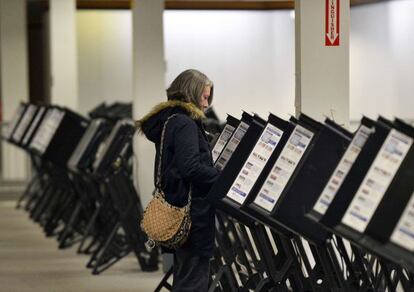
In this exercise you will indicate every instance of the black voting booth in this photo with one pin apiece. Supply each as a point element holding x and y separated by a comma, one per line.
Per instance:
<point>82,190</point>
<point>53,143</point>
<point>233,141</point>
<point>390,225</point>
<point>341,171</point>
<point>223,138</point>
<point>86,192</point>
<point>112,171</point>
<point>45,139</point>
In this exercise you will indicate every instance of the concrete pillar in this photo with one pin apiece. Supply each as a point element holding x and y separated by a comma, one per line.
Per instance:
<point>322,59</point>
<point>63,53</point>
<point>14,85</point>
<point>148,82</point>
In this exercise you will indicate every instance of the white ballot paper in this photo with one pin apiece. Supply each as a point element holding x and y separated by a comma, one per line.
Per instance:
<point>231,145</point>
<point>47,130</point>
<point>33,125</point>
<point>403,234</point>
<point>28,115</point>
<point>255,163</point>
<point>342,170</point>
<point>284,167</point>
<point>221,142</point>
<point>377,180</point>
<point>8,131</point>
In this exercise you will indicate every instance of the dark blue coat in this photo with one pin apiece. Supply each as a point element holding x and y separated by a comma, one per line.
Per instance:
<point>186,160</point>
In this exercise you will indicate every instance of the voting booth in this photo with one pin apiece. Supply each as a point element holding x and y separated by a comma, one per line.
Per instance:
<point>82,190</point>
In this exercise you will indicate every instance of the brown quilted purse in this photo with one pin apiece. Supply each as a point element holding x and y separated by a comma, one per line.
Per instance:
<point>165,225</point>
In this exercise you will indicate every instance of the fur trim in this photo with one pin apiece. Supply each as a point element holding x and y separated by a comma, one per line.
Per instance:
<point>194,112</point>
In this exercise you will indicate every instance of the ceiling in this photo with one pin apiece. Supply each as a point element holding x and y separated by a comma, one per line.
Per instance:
<point>206,4</point>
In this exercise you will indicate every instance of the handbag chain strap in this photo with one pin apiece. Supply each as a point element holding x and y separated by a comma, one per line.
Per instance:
<point>158,178</point>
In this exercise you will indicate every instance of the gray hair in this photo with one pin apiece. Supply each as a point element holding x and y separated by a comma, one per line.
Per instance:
<point>189,86</point>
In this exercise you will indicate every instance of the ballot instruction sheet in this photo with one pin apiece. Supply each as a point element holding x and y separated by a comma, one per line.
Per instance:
<point>284,167</point>
<point>255,163</point>
<point>377,180</point>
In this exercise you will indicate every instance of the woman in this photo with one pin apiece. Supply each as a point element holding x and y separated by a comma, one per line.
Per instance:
<point>186,160</point>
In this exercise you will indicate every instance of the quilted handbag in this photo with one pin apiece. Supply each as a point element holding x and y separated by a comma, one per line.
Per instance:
<point>165,225</point>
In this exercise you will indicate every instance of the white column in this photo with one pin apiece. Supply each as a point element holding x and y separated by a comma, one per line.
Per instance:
<point>322,70</point>
<point>13,78</point>
<point>148,81</point>
<point>63,53</point>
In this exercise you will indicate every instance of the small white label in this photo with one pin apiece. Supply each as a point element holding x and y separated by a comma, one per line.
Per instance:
<point>255,163</point>
<point>231,146</point>
<point>33,125</point>
<point>403,234</point>
<point>342,170</point>
<point>47,129</point>
<point>377,180</point>
<point>24,122</point>
<point>8,131</point>
<point>284,167</point>
<point>221,142</point>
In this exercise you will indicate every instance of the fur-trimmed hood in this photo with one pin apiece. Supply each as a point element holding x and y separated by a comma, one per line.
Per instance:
<point>151,124</point>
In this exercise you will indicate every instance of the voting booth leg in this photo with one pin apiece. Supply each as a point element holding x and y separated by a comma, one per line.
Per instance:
<point>346,265</point>
<point>30,191</point>
<point>164,281</point>
<point>68,231</point>
<point>227,247</point>
<point>222,277</point>
<point>219,282</point>
<point>316,275</point>
<point>406,279</point>
<point>108,254</point>
<point>57,213</point>
<point>362,268</point>
<point>43,202</point>
<point>221,271</point>
<point>34,186</point>
<point>32,201</point>
<point>35,203</point>
<point>326,257</point>
<point>244,270</point>
<point>88,234</point>
<point>277,266</point>
<point>97,202</point>
<point>128,205</point>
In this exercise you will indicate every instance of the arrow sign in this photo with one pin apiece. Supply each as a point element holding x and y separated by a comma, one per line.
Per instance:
<point>332,23</point>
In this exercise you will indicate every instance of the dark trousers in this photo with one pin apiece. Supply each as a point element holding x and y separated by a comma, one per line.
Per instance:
<point>191,272</point>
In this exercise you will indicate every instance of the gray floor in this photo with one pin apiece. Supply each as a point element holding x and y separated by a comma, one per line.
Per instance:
<point>31,262</point>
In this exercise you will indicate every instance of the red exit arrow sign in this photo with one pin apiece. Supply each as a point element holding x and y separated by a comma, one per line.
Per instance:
<point>332,32</point>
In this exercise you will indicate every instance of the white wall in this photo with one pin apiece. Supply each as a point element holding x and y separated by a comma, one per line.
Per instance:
<point>13,81</point>
<point>250,57</point>
<point>63,54</point>
<point>105,57</point>
<point>382,60</point>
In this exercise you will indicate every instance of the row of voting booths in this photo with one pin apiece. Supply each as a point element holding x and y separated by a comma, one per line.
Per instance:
<point>82,190</point>
<point>309,206</point>
<point>301,205</point>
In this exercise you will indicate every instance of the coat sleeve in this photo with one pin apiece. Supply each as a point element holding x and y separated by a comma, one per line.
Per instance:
<point>186,144</point>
